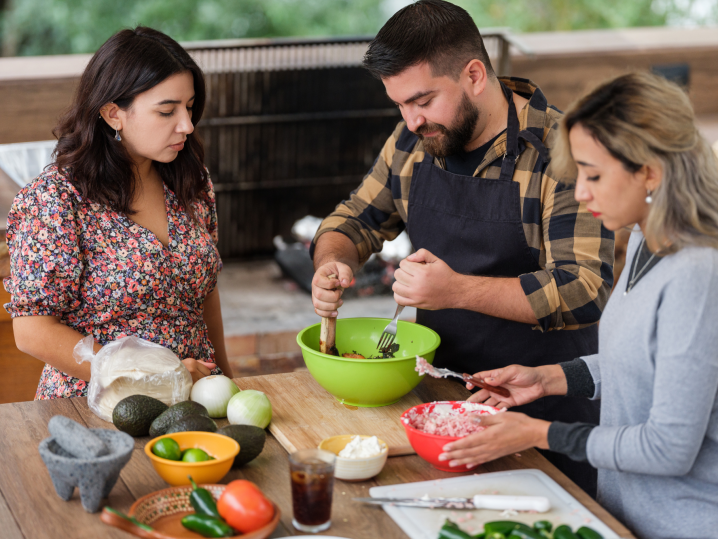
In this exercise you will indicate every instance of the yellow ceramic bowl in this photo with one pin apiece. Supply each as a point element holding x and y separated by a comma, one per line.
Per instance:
<point>222,448</point>
<point>354,469</point>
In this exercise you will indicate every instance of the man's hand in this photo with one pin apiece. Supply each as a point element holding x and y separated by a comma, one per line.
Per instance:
<point>426,282</point>
<point>504,434</point>
<point>326,292</point>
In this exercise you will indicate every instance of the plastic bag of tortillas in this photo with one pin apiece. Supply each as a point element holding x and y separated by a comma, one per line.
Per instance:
<point>132,366</point>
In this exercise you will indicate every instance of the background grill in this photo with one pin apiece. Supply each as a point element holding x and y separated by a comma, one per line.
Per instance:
<point>290,128</point>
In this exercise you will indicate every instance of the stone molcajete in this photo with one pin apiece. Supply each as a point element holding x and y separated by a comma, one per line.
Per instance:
<point>90,459</point>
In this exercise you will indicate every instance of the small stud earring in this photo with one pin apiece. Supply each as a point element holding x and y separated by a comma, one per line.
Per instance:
<point>649,198</point>
<point>117,135</point>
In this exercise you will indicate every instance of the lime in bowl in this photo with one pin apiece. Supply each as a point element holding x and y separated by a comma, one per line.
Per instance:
<point>368,382</point>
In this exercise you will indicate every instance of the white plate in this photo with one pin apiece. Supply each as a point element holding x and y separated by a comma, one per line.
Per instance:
<point>419,523</point>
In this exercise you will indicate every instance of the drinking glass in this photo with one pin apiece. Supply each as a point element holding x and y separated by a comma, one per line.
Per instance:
<point>312,472</point>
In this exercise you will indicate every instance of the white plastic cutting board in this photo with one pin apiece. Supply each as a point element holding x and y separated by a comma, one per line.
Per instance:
<point>419,523</point>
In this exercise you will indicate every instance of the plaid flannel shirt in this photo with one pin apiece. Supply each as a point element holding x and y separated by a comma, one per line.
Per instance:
<point>574,252</point>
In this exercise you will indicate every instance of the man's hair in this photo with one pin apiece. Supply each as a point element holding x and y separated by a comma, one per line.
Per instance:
<point>433,31</point>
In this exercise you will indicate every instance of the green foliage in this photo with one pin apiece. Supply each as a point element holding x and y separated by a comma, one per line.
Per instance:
<point>556,15</point>
<point>30,27</point>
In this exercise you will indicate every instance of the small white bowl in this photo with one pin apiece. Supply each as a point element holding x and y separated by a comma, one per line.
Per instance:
<point>354,469</point>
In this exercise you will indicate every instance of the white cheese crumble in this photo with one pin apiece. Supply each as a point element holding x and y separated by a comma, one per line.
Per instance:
<point>361,448</point>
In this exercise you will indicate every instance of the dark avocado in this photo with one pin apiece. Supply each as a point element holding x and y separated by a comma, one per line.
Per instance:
<point>175,413</point>
<point>193,422</point>
<point>250,439</point>
<point>135,414</point>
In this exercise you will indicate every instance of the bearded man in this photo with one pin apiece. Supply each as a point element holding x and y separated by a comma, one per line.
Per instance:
<point>508,267</point>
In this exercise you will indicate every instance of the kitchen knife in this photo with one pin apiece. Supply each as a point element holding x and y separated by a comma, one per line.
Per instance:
<point>540,504</point>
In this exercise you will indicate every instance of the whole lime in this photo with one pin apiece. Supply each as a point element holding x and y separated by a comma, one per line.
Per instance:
<point>167,448</point>
<point>194,455</point>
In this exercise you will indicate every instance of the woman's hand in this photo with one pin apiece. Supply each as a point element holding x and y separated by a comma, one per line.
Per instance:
<point>525,384</point>
<point>198,369</point>
<point>505,433</point>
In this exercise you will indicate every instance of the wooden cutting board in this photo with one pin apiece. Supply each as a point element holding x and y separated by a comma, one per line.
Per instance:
<point>304,413</point>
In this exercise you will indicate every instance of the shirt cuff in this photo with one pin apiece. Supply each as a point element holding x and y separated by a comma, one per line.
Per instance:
<point>578,378</point>
<point>601,447</point>
<point>355,236</point>
<point>544,300</point>
<point>570,439</point>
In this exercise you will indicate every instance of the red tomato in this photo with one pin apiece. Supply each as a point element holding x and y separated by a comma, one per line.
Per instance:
<point>244,506</point>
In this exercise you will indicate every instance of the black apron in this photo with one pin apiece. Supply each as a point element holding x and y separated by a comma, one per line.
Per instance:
<point>474,225</point>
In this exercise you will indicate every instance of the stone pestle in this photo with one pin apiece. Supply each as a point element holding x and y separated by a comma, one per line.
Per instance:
<point>77,440</point>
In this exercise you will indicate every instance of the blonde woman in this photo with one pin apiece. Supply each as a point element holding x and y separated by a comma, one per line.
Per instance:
<point>640,159</point>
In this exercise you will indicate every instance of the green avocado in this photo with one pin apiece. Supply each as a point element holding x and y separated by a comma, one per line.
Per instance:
<point>135,414</point>
<point>175,413</point>
<point>250,439</point>
<point>193,422</point>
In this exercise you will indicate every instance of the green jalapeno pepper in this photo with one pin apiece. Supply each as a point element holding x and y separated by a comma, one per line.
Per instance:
<point>505,527</point>
<point>564,532</point>
<point>207,526</point>
<point>524,534</point>
<point>585,532</point>
<point>203,501</point>
<point>451,530</point>
<point>543,525</point>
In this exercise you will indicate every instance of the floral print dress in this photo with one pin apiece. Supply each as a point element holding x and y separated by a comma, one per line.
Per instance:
<point>102,274</point>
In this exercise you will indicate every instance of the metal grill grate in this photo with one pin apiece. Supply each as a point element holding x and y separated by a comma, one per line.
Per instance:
<point>290,128</point>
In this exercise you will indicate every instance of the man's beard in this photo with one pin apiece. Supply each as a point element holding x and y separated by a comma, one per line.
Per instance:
<point>453,140</point>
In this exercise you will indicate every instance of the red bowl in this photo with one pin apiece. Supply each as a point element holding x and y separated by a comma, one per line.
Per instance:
<point>430,446</point>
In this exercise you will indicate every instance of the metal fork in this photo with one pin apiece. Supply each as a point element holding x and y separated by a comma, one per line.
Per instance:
<point>443,373</point>
<point>387,338</point>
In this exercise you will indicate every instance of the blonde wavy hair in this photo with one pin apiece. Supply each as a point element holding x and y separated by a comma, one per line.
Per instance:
<point>643,119</point>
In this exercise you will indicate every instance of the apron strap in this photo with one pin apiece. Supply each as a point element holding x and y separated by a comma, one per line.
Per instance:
<point>513,134</point>
<point>536,142</point>
<point>508,164</point>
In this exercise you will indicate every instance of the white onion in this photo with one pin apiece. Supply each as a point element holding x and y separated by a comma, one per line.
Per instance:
<point>214,393</point>
<point>250,407</point>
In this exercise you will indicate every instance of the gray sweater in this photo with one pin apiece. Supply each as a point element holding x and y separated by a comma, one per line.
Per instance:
<point>656,374</point>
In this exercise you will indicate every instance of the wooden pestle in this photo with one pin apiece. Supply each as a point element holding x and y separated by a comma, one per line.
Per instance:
<point>328,333</point>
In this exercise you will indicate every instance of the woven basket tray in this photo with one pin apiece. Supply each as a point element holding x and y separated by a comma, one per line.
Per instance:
<point>164,510</point>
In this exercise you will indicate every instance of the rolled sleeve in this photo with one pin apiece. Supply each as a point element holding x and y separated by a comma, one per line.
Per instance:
<point>45,260</point>
<point>370,216</point>
<point>573,286</point>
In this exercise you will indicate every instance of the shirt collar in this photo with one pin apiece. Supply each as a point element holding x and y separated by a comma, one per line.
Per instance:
<point>532,118</point>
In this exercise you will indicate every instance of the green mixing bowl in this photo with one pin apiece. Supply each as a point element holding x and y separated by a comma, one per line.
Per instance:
<point>368,382</point>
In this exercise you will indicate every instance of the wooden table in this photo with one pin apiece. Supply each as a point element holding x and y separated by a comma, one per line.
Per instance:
<point>30,508</point>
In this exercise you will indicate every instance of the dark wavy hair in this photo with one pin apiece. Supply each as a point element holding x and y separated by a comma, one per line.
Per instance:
<point>433,31</point>
<point>128,64</point>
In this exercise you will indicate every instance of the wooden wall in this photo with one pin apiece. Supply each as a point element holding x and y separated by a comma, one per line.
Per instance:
<point>31,108</point>
<point>565,77</point>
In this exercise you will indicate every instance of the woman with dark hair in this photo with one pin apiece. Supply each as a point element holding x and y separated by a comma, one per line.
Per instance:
<point>634,144</point>
<point>117,237</point>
